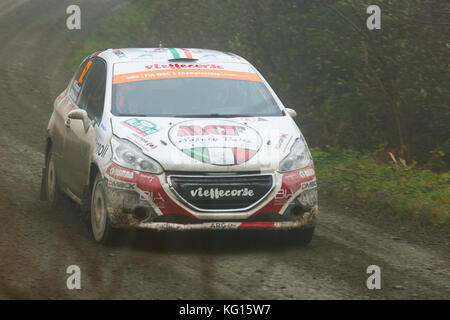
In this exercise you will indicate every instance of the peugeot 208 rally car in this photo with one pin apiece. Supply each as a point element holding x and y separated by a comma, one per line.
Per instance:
<point>178,139</point>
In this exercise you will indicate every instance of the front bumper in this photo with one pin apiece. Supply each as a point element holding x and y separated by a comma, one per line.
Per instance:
<point>142,200</point>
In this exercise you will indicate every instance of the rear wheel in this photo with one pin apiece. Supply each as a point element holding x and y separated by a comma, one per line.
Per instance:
<point>54,194</point>
<point>101,227</point>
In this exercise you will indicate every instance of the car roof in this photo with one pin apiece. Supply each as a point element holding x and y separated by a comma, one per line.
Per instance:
<point>167,55</point>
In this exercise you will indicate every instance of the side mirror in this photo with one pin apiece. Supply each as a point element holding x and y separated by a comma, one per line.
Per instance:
<point>80,114</point>
<point>291,112</point>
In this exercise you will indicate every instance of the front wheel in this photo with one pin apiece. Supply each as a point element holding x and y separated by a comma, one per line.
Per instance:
<point>101,227</point>
<point>301,237</point>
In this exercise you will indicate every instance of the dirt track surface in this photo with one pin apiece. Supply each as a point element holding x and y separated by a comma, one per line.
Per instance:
<point>37,244</point>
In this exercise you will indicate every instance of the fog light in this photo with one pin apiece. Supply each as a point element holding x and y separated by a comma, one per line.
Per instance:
<point>141,213</point>
<point>145,213</point>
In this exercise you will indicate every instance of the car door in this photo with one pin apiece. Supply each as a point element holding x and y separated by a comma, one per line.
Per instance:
<point>65,103</point>
<point>79,143</point>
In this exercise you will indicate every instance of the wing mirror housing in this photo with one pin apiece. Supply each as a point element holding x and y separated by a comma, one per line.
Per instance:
<point>291,112</point>
<point>80,114</point>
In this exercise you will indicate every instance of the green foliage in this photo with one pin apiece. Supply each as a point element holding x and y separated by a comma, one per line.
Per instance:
<point>419,194</point>
<point>440,158</point>
<point>352,87</point>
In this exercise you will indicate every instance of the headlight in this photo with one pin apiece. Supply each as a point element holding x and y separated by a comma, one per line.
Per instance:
<point>298,158</point>
<point>128,155</point>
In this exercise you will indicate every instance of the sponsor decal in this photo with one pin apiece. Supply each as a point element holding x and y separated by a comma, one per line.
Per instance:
<point>155,50</point>
<point>233,56</point>
<point>259,119</point>
<point>282,196</point>
<point>101,149</point>
<point>218,142</point>
<point>143,127</point>
<point>221,225</point>
<point>155,197</point>
<point>61,95</point>
<point>224,130</point>
<point>189,72</point>
<point>208,55</point>
<point>141,141</point>
<point>174,66</point>
<point>309,185</point>
<point>283,137</point>
<point>121,185</point>
<point>151,189</point>
<point>147,178</point>
<point>187,53</point>
<point>216,193</point>
<point>175,53</point>
<point>291,176</point>
<point>117,172</point>
<point>119,53</point>
<point>255,225</point>
<point>307,172</point>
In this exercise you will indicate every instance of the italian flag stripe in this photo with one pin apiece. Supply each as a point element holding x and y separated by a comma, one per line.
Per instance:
<point>187,53</point>
<point>174,53</point>
<point>200,154</point>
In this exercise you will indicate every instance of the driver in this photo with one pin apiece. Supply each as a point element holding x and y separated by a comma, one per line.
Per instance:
<point>128,98</point>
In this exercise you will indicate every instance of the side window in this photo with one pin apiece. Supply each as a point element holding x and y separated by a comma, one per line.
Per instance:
<point>77,80</point>
<point>92,96</point>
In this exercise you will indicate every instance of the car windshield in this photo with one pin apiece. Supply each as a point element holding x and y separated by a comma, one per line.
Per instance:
<point>193,97</point>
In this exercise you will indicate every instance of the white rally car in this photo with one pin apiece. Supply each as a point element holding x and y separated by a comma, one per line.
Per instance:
<point>178,139</point>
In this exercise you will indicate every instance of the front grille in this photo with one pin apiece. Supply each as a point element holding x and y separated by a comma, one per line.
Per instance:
<point>221,192</point>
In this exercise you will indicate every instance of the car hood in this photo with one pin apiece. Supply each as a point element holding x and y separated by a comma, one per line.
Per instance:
<point>211,144</point>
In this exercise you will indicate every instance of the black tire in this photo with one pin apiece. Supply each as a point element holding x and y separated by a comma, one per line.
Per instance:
<point>101,227</point>
<point>85,207</point>
<point>302,237</point>
<point>54,194</point>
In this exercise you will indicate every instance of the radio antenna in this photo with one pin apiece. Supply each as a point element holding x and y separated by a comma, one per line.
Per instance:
<point>160,32</point>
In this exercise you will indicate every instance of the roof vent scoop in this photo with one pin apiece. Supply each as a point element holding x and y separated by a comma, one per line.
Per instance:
<point>183,60</point>
<point>180,55</point>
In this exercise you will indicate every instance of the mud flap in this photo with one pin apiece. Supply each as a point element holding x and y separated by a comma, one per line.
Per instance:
<point>43,196</point>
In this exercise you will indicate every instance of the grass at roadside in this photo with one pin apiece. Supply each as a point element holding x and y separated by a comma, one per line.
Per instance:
<point>413,193</point>
<point>417,194</point>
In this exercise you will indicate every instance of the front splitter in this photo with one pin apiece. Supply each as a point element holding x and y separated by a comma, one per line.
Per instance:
<point>308,220</point>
